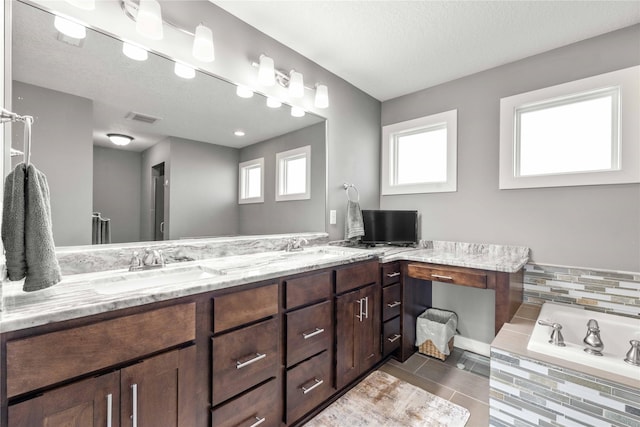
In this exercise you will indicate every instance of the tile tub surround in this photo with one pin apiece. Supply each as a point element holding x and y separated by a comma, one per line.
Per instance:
<point>598,290</point>
<point>532,389</point>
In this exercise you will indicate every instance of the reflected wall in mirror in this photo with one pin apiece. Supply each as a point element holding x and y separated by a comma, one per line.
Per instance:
<point>178,178</point>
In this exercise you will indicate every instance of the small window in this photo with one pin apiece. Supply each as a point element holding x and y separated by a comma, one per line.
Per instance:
<point>571,134</point>
<point>293,174</point>
<point>251,181</point>
<point>419,156</point>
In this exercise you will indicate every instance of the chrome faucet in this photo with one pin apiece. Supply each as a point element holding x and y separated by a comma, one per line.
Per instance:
<point>556,336</point>
<point>295,244</point>
<point>633,355</point>
<point>594,344</point>
<point>152,258</point>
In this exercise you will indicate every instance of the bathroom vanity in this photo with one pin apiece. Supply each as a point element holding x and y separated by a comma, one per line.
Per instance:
<point>264,338</point>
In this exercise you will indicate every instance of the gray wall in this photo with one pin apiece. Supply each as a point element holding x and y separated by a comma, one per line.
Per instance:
<point>288,216</point>
<point>62,148</point>
<point>204,189</point>
<point>591,226</point>
<point>117,190</point>
<point>161,152</point>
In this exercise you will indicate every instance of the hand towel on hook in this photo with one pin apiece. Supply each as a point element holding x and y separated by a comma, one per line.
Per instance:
<point>354,225</point>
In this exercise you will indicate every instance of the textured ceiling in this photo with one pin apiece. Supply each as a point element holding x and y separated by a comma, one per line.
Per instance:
<point>391,48</point>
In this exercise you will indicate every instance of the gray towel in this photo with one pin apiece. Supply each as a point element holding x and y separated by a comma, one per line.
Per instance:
<point>354,225</point>
<point>32,251</point>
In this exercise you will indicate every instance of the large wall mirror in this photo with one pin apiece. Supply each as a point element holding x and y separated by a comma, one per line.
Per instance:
<point>178,178</point>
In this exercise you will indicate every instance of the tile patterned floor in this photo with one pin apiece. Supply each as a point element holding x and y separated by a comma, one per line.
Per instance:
<point>467,387</point>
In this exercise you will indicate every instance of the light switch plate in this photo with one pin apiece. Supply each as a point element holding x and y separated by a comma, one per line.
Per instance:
<point>332,217</point>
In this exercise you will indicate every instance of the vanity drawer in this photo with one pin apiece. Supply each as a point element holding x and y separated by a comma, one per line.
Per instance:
<point>391,301</point>
<point>455,275</point>
<point>356,276</point>
<point>244,358</point>
<point>250,408</point>
<point>308,385</point>
<point>308,331</point>
<point>390,273</point>
<point>243,307</point>
<point>307,289</point>
<point>39,361</point>
<point>391,336</point>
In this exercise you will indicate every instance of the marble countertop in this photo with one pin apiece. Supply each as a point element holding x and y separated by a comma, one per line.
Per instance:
<point>79,295</point>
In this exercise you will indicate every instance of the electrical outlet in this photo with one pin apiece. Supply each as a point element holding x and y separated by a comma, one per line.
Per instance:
<point>332,217</point>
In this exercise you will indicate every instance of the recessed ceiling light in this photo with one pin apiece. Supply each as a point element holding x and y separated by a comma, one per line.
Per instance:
<point>239,133</point>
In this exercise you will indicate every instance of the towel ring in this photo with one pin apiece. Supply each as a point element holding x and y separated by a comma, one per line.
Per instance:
<point>346,190</point>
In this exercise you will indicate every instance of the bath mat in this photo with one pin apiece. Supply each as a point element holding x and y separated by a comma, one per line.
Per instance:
<point>384,400</point>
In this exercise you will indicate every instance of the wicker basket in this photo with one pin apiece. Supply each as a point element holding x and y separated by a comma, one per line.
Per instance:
<point>429,349</point>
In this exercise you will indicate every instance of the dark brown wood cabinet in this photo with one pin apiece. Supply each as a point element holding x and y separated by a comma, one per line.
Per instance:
<point>392,305</point>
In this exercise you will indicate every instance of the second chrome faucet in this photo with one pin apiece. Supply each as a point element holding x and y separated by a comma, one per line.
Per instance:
<point>594,344</point>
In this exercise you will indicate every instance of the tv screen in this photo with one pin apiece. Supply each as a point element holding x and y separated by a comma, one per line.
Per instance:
<point>390,227</point>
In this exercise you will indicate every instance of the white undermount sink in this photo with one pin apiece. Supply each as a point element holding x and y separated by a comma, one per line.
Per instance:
<point>151,279</point>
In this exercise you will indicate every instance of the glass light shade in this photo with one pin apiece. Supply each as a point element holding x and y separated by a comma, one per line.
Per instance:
<point>322,96</point>
<point>134,52</point>
<point>297,112</point>
<point>266,71</point>
<point>184,71</point>
<point>296,84</point>
<point>244,92</point>
<point>149,19</point>
<point>83,4</point>
<point>120,139</point>
<point>273,103</point>
<point>203,44</point>
<point>69,28</point>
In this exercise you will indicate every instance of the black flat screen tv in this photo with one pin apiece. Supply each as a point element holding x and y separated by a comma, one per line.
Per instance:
<point>390,227</point>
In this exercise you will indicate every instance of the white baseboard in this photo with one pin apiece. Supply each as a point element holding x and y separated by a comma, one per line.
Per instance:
<point>472,345</point>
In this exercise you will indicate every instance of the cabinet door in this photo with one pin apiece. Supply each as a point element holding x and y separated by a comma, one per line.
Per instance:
<point>368,336</point>
<point>348,312</point>
<point>160,391</point>
<point>93,402</point>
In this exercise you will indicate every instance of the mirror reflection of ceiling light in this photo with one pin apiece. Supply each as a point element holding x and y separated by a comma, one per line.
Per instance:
<point>239,133</point>
<point>149,19</point>
<point>134,52</point>
<point>203,44</point>
<point>273,103</point>
<point>244,92</point>
<point>184,71</point>
<point>120,139</point>
<point>69,28</point>
<point>297,112</point>
<point>83,4</point>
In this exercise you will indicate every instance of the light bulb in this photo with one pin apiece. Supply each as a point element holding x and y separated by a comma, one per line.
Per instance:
<point>266,71</point>
<point>149,19</point>
<point>203,44</point>
<point>83,4</point>
<point>184,71</point>
<point>134,52</point>
<point>273,103</point>
<point>69,28</point>
<point>244,92</point>
<point>322,96</point>
<point>296,84</point>
<point>297,112</point>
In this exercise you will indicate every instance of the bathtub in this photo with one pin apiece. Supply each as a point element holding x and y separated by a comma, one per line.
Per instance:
<point>615,332</point>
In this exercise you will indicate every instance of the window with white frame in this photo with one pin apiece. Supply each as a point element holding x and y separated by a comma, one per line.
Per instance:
<point>419,156</point>
<point>293,174</point>
<point>578,133</point>
<point>251,181</point>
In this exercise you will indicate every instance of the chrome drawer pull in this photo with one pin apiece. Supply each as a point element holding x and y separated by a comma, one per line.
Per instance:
<point>437,276</point>
<point>396,274</point>
<point>134,402</point>
<point>109,409</point>
<point>395,338</point>
<point>318,331</point>
<point>258,421</point>
<point>240,365</point>
<point>393,304</point>
<point>317,384</point>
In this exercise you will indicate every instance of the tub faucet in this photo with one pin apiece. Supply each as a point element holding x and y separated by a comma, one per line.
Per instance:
<point>592,340</point>
<point>556,336</point>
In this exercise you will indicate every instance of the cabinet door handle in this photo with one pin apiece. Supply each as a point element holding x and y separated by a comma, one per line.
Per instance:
<point>395,338</point>
<point>109,408</point>
<point>366,307</point>
<point>359,315</point>
<point>318,331</point>
<point>258,356</point>
<point>396,274</point>
<point>438,276</point>
<point>316,383</point>
<point>134,401</point>
<point>393,304</point>
<point>258,421</point>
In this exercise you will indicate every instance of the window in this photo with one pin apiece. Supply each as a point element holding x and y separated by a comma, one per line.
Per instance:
<point>577,133</point>
<point>251,181</point>
<point>293,174</point>
<point>419,156</point>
